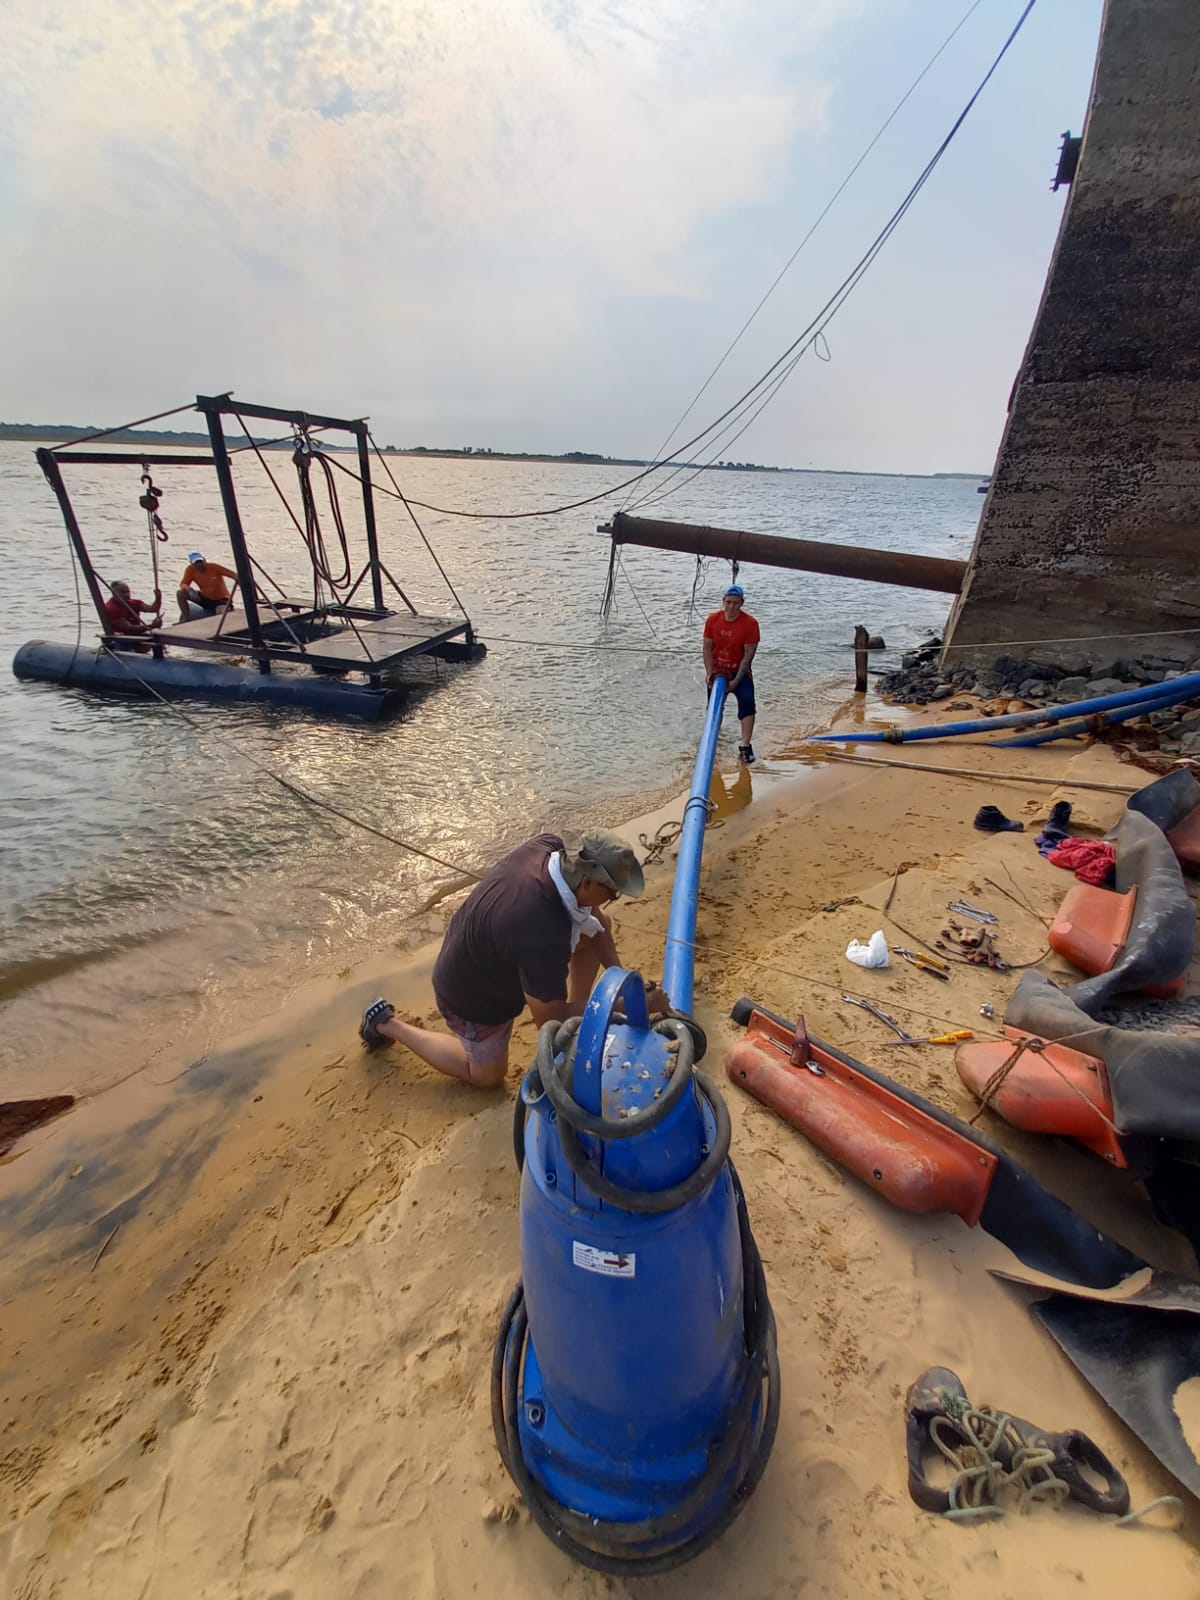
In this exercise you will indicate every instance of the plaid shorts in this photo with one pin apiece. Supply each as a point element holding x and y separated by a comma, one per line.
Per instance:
<point>486,1043</point>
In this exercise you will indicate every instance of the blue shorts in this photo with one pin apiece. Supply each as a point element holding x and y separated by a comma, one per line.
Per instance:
<point>744,695</point>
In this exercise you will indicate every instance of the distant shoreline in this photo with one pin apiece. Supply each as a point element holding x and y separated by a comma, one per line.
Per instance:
<point>35,433</point>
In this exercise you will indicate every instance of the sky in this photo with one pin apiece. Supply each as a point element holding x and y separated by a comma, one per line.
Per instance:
<point>531,224</point>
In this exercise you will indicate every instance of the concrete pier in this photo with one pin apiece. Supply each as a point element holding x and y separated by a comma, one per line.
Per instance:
<point>1092,522</point>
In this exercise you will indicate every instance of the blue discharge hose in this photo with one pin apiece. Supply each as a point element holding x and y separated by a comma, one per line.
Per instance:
<point>679,962</point>
<point>1069,730</point>
<point>1151,697</point>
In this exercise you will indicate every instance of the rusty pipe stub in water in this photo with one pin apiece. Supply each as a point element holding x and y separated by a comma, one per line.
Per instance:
<point>804,555</point>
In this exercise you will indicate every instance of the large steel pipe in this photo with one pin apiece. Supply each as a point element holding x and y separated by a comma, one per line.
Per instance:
<point>804,555</point>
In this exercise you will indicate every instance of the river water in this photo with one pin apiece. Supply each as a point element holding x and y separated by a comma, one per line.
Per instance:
<point>151,871</point>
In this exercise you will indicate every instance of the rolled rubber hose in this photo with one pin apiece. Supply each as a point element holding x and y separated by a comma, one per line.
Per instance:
<point>653,1202</point>
<point>556,1039</point>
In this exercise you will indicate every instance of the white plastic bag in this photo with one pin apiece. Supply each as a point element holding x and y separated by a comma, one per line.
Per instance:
<point>874,954</point>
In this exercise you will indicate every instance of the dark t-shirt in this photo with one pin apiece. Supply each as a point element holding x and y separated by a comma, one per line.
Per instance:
<point>510,938</point>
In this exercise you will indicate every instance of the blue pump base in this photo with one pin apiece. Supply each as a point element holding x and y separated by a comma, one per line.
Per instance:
<point>635,1384</point>
<point>703,1507</point>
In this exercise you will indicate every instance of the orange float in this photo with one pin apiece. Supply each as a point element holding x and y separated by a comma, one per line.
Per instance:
<point>916,1162</point>
<point>1048,1088</point>
<point>1091,930</point>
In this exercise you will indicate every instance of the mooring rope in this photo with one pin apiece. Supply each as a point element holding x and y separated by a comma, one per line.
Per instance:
<point>980,1477</point>
<point>416,524</point>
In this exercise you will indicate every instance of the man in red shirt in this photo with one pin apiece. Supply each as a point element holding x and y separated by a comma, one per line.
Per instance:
<point>730,640</point>
<point>123,613</point>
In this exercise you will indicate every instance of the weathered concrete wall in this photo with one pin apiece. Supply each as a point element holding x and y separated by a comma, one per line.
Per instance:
<point>1092,522</point>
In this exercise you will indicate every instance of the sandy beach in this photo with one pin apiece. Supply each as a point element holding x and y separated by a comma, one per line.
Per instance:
<point>249,1310</point>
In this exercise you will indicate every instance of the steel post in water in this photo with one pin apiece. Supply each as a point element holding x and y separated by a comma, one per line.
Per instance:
<point>212,407</point>
<point>803,555</point>
<point>48,462</point>
<point>861,640</point>
<point>364,472</point>
<point>679,962</point>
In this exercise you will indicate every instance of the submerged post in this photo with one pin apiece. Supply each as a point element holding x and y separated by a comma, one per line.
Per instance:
<point>679,962</point>
<point>861,638</point>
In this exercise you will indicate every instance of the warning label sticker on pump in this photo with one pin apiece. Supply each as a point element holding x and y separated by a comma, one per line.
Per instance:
<point>607,1262</point>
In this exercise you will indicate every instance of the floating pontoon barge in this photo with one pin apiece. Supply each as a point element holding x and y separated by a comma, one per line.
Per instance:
<point>303,650</point>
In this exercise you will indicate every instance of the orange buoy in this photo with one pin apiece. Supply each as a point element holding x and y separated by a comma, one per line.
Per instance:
<point>1049,1088</point>
<point>909,1157</point>
<point>1092,927</point>
<point>1091,930</point>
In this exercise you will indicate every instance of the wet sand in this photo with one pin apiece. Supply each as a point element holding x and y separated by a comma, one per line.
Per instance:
<point>249,1311</point>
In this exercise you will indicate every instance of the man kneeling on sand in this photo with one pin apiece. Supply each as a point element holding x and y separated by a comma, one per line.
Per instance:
<point>531,933</point>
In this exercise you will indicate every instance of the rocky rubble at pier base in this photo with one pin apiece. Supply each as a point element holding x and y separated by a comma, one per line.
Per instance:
<point>1012,683</point>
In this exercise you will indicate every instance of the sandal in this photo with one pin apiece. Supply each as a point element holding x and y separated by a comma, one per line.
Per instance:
<point>1074,1454</point>
<point>923,1405</point>
<point>378,1011</point>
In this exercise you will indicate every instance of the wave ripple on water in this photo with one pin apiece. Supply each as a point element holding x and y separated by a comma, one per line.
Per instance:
<point>147,868</point>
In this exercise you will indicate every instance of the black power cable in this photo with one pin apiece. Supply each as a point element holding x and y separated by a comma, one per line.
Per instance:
<point>824,212</point>
<point>314,536</point>
<point>773,372</point>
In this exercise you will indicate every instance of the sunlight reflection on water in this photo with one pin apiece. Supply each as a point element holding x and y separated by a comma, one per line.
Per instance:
<point>146,863</point>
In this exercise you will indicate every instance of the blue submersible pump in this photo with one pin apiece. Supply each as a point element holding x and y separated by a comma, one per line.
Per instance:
<point>635,1382</point>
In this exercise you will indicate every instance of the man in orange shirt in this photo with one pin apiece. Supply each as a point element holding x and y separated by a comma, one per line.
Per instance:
<point>203,584</point>
<point>730,639</point>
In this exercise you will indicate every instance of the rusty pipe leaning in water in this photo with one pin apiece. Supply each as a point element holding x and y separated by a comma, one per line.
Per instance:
<point>805,555</point>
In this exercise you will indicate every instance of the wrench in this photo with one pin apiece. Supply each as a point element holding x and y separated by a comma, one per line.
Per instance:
<point>963,908</point>
<point>882,1016</point>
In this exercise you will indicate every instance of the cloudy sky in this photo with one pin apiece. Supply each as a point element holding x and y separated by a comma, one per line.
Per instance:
<point>529,224</point>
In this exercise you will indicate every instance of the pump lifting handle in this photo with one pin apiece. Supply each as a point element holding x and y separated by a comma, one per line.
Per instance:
<point>616,987</point>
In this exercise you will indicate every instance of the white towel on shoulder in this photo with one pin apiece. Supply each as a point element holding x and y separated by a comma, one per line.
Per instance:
<point>582,920</point>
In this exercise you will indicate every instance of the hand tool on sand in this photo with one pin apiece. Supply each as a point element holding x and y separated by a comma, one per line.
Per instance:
<point>941,1038</point>
<point>924,963</point>
<point>964,908</point>
<point>904,1036</point>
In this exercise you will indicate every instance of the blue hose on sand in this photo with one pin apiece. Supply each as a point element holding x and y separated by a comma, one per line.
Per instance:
<point>635,1376</point>
<point>1070,730</point>
<point>1150,697</point>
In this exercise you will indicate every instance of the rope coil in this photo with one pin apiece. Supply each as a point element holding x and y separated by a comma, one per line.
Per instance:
<point>980,1477</point>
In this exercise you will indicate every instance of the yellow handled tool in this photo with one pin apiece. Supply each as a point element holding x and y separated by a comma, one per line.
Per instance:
<point>941,1038</point>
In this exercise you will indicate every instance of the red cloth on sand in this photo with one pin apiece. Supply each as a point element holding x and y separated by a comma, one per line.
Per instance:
<point>1091,860</point>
